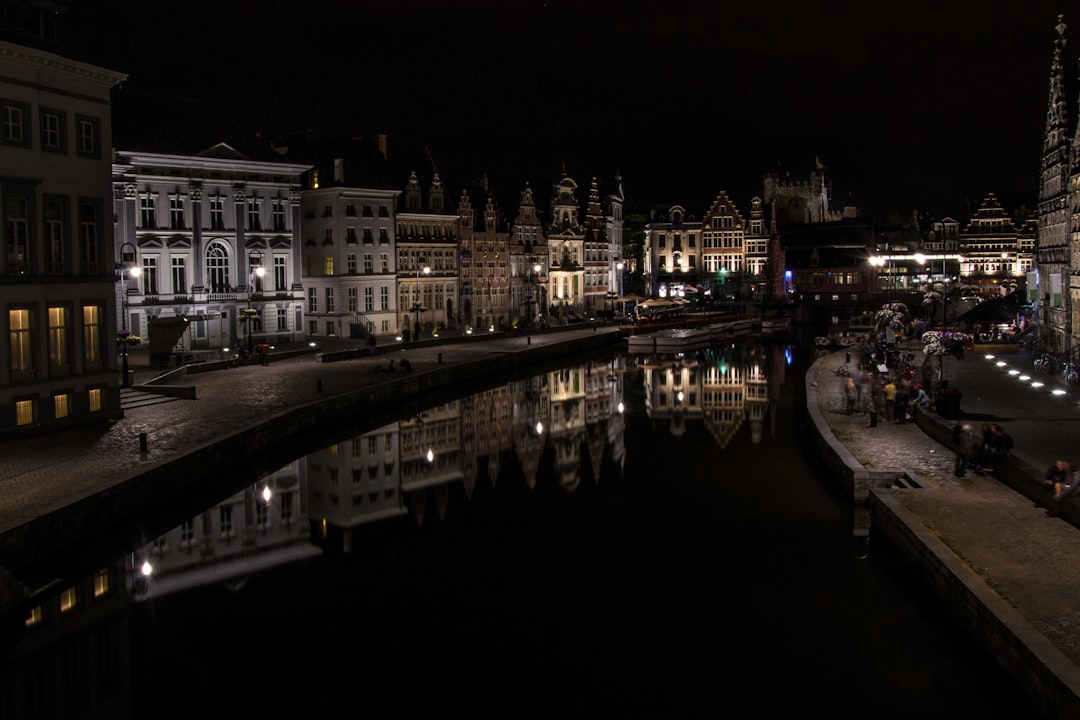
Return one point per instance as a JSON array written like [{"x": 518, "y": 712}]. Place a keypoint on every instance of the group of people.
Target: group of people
[
  {"x": 981, "y": 453},
  {"x": 882, "y": 390}
]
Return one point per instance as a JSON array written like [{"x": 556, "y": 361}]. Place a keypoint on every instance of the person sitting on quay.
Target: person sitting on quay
[
  {"x": 995, "y": 450},
  {"x": 1061, "y": 477}
]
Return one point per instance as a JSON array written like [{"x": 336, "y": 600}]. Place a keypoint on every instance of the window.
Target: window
[
  {"x": 217, "y": 268},
  {"x": 147, "y": 211},
  {"x": 176, "y": 212},
  {"x": 89, "y": 130},
  {"x": 368, "y": 240},
  {"x": 225, "y": 520},
  {"x": 313, "y": 328},
  {"x": 53, "y": 137},
  {"x": 329, "y": 300},
  {"x": 282, "y": 319},
  {"x": 328, "y": 265},
  {"x": 101, "y": 583},
  {"x": 179, "y": 276},
  {"x": 96, "y": 397},
  {"x": 217, "y": 213},
  {"x": 34, "y": 618},
  {"x": 350, "y": 236},
  {"x": 369, "y": 300},
  {"x": 68, "y": 599},
  {"x": 384, "y": 237},
  {"x": 313, "y": 300},
  {"x": 279, "y": 214},
  {"x": 330, "y": 328},
  {"x": 254, "y": 205},
  {"x": 350, "y": 263},
  {"x": 368, "y": 267},
  {"x": 17, "y": 239},
  {"x": 88, "y": 238},
  {"x": 280, "y": 281},
  {"x": 61, "y": 405},
  {"x": 58, "y": 338},
  {"x": 149, "y": 276},
  {"x": 24, "y": 412},
  {"x": 353, "y": 307},
  {"x": 92, "y": 338},
  {"x": 13, "y": 130},
  {"x": 384, "y": 298},
  {"x": 21, "y": 343},
  {"x": 384, "y": 263},
  {"x": 54, "y": 236}
]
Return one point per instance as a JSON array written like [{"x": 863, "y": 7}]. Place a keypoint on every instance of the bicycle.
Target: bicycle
[
  {"x": 1045, "y": 363},
  {"x": 842, "y": 371},
  {"x": 1070, "y": 372}
]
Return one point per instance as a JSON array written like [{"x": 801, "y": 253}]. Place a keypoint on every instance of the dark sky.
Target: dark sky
[{"x": 913, "y": 105}]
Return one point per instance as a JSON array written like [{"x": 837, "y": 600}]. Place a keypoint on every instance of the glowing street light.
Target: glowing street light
[{"x": 128, "y": 268}]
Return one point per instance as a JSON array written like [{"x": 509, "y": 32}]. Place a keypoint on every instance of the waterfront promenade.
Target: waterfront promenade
[{"x": 1019, "y": 564}]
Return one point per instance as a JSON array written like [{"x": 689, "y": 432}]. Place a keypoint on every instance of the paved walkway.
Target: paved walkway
[{"x": 1028, "y": 558}]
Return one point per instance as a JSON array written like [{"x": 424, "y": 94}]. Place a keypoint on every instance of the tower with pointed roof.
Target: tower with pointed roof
[{"x": 1052, "y": 250}]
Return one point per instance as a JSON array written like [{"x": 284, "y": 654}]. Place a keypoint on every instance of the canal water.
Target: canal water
[{"x": 628, "y": 534}]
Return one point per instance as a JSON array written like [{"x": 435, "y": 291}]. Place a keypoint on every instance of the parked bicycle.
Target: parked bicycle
[
  {"x": 1070, "y": 372},
  {"x": 1046, "y": 363}
]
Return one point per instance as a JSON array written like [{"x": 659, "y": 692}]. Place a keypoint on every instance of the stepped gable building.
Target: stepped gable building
[
  {"x": 997, "y": 252},
  {"x": 1059, "y": 191},
  {"x": 427, "y": 253},
  {"x": 566, "y": 253},
  {"x": 58, "y": 272}
]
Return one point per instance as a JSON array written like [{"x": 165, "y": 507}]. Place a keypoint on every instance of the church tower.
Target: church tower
[{"x": 1052, "y": 249}]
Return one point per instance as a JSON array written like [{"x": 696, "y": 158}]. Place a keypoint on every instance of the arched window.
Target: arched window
[{"x": 217, "y": 268}]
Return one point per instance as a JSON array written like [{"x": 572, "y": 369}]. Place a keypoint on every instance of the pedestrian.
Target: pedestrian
[
  {"x": 890, "y": 399},
  {"x": 851, "y": 393},
  {"x": 900, "y": 400},
  {"x": 966, "y": 445},
  {"x": 919, "y": 400}
]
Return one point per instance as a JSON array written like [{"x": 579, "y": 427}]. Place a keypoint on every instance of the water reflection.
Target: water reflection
[{"x": 559, "y": 434}]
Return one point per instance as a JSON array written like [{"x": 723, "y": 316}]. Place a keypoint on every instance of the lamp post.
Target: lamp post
[
  {"x": 417, "y": 307},
  {"x": 128, "y": 268},
  {"x": 255, "y": 272}
]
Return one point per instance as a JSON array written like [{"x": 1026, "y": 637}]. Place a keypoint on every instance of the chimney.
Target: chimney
[
  {"x": 339, "y": 171},
  {"x": 382, "y": 145}
]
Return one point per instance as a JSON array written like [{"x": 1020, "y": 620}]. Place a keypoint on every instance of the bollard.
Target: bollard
[
  {"x": 528, "y": 340},
  {"x": 142, "y": 442},
  {"x": 873, "y": 419},
  {"x": 440, "y": 358},
  {"x": 318, "y": 386},
  {"x": 847, "y": 357}
]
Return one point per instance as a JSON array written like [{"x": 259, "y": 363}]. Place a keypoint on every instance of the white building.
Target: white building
[{"x": 212, "y": 234}]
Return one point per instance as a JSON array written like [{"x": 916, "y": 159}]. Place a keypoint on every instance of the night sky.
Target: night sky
[{"x": 917, "y": 105}]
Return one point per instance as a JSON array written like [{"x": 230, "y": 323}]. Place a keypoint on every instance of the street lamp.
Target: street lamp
[
  {"x": 128, "y": 268},
  {"x": 255, "y": 273},
  {"x": 417, "y": 307}
]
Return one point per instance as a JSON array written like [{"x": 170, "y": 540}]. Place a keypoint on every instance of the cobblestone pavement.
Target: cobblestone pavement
[{"x": 1029, "y": 559}]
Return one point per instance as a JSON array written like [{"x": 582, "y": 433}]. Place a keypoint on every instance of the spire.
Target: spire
[{"x": 1056, "y": 112}]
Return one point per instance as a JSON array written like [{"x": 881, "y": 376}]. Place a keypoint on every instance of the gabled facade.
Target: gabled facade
[
  {"x": 672, "y": 252},
  {"x": 566, "y": 253},
  {"x": 427, "y": 259},
  {"x": 490, "y": 291},
  {"x": 723, "y": 251},
  {"x": 528, "y": 262},
  {"x": 213, "y": 234},
  {"x": 58, "y": 301},
  {"x": 994, "y": 258}
]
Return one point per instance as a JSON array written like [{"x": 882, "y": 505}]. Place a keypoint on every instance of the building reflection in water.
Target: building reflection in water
[{"x": 73, "y": 646}]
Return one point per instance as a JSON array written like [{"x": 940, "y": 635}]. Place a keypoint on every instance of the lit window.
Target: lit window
[
  {"x": 67, "y": 600},
  {"x": 34, "y": 617},
  {"x": 95, "y": 400},
  {"x": 24, "y": 412},
  {"x": 101, "y": 583},
  {"x": 61, "y": 405}
]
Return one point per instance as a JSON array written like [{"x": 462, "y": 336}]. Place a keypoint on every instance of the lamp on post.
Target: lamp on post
[
  {"x": 128, "y": 268},
  {"x": 417, "y": 307},
  {"x": 255, "y": 273}
]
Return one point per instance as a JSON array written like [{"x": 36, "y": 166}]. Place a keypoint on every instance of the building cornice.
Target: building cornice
[{"x": 102, "y": 77}]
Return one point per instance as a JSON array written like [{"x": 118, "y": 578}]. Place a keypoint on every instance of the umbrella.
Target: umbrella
[
  {"x": 630, "y": 298},
  {"x": 998, "y": 310}
]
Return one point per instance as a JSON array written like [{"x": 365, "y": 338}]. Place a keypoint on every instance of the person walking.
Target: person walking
[
  {"x": 890, "y": 399},
  {"x": 966, "y": 444},
  {"x": 1061, "y": 478},
  {"x": 851, "y": 393}
]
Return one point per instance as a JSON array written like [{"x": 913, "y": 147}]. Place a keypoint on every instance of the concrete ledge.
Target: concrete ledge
[{"x": 1050, "y": 678}]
